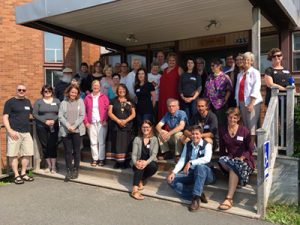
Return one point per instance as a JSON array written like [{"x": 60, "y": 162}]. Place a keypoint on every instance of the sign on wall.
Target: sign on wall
[{"x": 266, "y": 158}]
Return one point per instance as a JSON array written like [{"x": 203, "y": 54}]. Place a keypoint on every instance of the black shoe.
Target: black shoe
[
  {"x": 195, "y": 204},
  {"x": 203, "y": 198},
  {"x": 75, "y": 173},
  {"x": 117, "y": 165},
  {"x": 68, "y": 175},
  {"x": 101, "y": 163}
]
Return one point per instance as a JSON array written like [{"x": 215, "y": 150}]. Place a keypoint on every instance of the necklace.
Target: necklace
[{"x": 232, "y": 130}]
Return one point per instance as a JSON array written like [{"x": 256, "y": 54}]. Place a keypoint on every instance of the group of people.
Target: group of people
[{"x": 195, "y": 113}]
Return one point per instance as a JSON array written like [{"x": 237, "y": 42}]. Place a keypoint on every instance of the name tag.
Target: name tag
[
  {"x": 138, "y": 90},
  {"x": 239, "y": 138},
  {"x": 285, "y": 71},
  {"x": 193, "y": 78},
  {"x": 148, "y": 146},
  {"x": 26, "y": 107},
  {"x": 53, "y": 103},
  {"x": 206, "y": 127}
]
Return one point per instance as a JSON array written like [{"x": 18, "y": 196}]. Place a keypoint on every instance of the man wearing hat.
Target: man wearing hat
[{"x": 64, "y": 82}]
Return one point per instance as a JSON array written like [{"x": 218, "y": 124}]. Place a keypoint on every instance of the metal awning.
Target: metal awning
[{"x": 110, "y": 22}]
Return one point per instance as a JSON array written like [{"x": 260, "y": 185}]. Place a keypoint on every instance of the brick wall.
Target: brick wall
[{"x": 22, "y": 57}]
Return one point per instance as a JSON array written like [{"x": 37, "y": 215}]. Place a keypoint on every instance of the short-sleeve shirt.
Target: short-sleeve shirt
[
  {"x": 143, "y": 94},
  {"x": 209, "y": 123},
  {"x": 189, "y": 83},
  {"x": 18, "y": 111},
  {"x": 122, "y": 110},
  {"x": 280, "y": 77},
  {"x": 173, "y": 120},
  {"x": 216, "y": 88}
]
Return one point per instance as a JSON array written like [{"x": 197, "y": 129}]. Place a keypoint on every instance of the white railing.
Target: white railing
[{"x": 268, "y": 139}]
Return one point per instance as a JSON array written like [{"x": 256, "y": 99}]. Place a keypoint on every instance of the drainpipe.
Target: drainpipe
[{"x": 256, "y": 20}]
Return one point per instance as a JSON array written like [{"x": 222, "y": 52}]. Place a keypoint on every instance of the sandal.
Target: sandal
[
  {"x": 19, "y": 180},
  {"x": 94, "y": 163},
  {"x": 226, "y": 206},
  {"x": 137, "y": 195},
  {"x": 25, "y": 177},
  {"x": 141, "y": 186}
]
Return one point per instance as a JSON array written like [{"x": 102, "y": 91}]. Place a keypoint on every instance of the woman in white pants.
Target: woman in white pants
[{"x": 96, "y": 106}]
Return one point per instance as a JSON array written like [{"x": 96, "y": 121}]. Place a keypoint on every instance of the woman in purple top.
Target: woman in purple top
[
  {"x": 236, "y": 154},
  {"x": 217, "y": 89}
]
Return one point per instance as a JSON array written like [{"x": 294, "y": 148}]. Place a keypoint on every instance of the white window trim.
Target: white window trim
[{"x": 294, "y": 51}]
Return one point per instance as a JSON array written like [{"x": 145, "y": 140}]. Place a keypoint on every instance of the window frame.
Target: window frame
[
  {"x": 294, "y": 51},
  {"x": 62, "y": 49},
  {"x": 59, "y": 68}
]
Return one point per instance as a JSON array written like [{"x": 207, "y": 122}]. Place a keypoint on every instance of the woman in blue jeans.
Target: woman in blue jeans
[
  {"x": 146, "y": 97},
  {"x": 194, "y": 160}
]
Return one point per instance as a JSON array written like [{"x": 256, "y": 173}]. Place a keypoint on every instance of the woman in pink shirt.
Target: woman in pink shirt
[{"x": 96, "y": 107}]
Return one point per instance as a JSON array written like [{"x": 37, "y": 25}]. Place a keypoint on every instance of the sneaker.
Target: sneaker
[
  {"x": 47, "y": 170},
  {"x": 53, "y": 171}
]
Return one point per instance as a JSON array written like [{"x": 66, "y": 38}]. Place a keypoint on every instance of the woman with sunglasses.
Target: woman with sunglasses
[
  {"x": 45, "y": 112},
  {"x": 276, "y": 75},
  {"x": 144, "y": 151}
]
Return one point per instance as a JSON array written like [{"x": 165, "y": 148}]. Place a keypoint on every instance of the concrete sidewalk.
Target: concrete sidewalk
[{"x": 49, "y": 201}]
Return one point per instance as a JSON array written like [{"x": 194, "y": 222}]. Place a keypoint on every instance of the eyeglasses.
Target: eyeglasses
[
  {"x": 274, "y": 56},
  {"x": 21, "y": 90},
  {"x": 46, "y": 91}
]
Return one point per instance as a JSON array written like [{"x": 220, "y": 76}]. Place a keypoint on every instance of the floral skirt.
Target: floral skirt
[{"x": 241, "y": 168}]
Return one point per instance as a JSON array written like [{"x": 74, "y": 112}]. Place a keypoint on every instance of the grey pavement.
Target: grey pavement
[{"x": 48, "y": 201}]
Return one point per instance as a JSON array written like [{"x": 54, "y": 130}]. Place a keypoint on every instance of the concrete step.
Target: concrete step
[{"x": 157, "y": 187}]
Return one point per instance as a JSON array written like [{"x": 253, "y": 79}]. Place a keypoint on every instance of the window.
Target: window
[
  {"x": 52, "y": 76},
  {"x": 53, "y": 48},
  {"x": 267, "y": 43},
  {"x": 296, "y": 51}
]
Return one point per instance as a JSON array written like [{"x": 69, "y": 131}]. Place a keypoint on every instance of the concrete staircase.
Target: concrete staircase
[{"x": 157, "y": 187}]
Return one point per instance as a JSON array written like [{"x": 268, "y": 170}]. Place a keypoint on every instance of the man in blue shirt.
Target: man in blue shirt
[
  {"x": 170, "y": 128},
  {"x": 194, "y": 160}
]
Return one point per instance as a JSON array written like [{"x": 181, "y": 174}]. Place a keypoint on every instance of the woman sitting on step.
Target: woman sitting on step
[
  {"x": 144, "y": 151},
  {"x": 236, "y": 158}
]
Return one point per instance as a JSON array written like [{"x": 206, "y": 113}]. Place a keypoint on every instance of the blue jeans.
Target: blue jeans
[
  {"x": 192, "y": 184},
  {"x": 189, "y": 108},
  {"x": 141, "y": 117}
]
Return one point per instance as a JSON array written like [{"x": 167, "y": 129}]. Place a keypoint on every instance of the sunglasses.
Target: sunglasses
[
  {"x": 274, "y": 56},
  {"x": 21, "y": 90},
  {"x": 46, "y": 91}
]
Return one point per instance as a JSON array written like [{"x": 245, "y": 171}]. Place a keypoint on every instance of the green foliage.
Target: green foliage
[
  {"x": 283, "y": 214},
  {"x": 297, "y": 132}
]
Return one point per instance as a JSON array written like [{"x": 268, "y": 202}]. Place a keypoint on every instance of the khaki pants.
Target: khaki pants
[{"x": 173, "y": 140}]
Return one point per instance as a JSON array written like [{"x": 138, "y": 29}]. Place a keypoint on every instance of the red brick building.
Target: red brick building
[{"x": 23, "y": 59}]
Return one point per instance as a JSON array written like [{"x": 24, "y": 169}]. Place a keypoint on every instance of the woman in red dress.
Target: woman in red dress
[{"x": 168, "y": 87}]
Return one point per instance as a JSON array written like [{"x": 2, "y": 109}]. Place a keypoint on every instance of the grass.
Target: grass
[
  {"x": 10, "y": 179},
  {"x": 283, "y": 214}
]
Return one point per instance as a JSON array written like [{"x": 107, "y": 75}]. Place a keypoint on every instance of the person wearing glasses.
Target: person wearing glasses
[
  {"x": 45, "y": 112},
  {"x": 144, "y": 151},
  {"x": 276, "y": 75},
  {"x": 16, "y": 121},
  {"x": 218, "y": 88}
]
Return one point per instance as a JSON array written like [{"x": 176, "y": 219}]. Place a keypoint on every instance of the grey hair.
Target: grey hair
[
  {"x": 201, "y": 60},
  {"x": 170, "y": 100},
  {"x": 249, "y": 55}
]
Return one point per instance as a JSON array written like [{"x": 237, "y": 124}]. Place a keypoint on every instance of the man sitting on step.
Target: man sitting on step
[
  {"x": 194, "y": 160},
  {"x": 208, "y": 120},
  {"x": 170, "y": 129}
]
